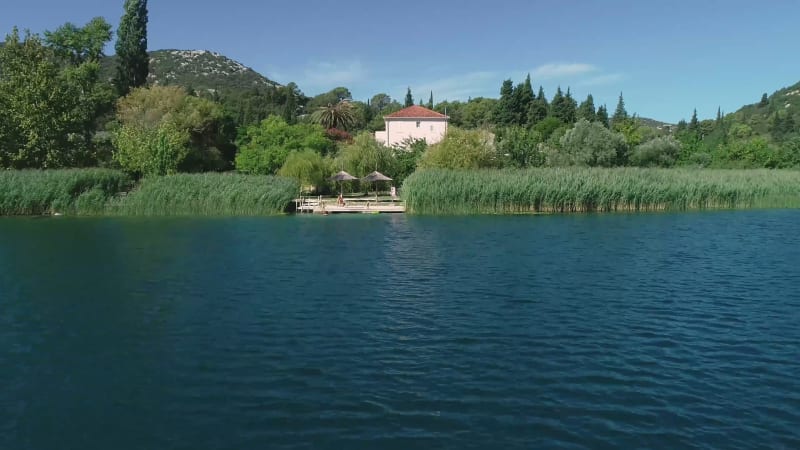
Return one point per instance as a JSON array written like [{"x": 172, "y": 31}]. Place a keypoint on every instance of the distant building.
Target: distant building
[{"x": 414, "y": 122}]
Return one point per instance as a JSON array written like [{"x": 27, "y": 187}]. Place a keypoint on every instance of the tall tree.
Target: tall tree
[
  {"x": 504, "y": 110},
  {"x": 620, "y": 114},
  {"x": 341, "y": 116},
  {"x": 523, "y": 99},
  {"x": 133, "y": 62},
  {"x": 409, "y": 99},
  {"x": 602, "y": 115},
  {"x": 37, "y": 104},
  {"x": 570, "y": 107},
  {"x": 586, "y": 110},
  {"x": 694, "y": 124},
  {"x": 562, "y": 107},
  {"x": 539, "y": 108},
  {"x": 719, "y": 115},
  {"x": 79, "y": 50},
  {"x": 764, "y": 100},
  {"x": 430, "y": 101}
]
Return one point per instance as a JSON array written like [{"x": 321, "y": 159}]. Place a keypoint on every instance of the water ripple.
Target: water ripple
[{"x": 608, "y": 331}]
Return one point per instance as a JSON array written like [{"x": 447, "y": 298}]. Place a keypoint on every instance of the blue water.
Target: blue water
[{"x": 568, "y": 331}]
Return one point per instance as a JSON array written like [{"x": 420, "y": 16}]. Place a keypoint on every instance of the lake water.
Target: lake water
[{"x": 568, "y": 331}]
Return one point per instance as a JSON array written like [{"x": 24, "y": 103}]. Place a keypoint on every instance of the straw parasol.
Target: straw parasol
[
  {"x": 342, "y": 176},
  {"x": 374, "y": 177}
]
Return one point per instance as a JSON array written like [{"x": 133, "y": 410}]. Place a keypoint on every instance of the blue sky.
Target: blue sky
[{"x": 666, "y": 57}]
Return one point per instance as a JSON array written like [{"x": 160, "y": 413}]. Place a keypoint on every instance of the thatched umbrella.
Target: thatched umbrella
[
  {"x": 342, "y": 176},
  {"x": 374, "y": 177}
]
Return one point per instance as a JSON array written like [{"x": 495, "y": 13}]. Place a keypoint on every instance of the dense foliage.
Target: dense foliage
[
  {"x": 263, "y": 148},
  {"x": 596, "y": 189},
  {"x": 132, "y": 58}
]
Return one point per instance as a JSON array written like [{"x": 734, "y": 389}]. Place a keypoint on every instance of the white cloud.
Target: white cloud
[
  {"x": 608, "y": 78},
  {"x": 459, "y": 87},
  {"x": 557, "y": 70}
]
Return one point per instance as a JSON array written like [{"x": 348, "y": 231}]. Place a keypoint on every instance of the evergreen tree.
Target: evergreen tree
[
  {"x": 694, "y": 124},
  {"x": 409, "y": 98},
  {"x": 586, "y": 109},
  {"x": 132, "y": 59},
  {"x": 504, "y": 110},
  {"x": 719, "y": 115},
  {"x": 560, "y": 107},
  {"x": 430, "y": 101},
  {"x": 764, "y": 100},
  {"x": 539, "y": 108},
  {"x": 570, "y": 108},
  {"x": 523, "y": 99},
  {"x": 602, "y": 115},
  {"x": 620, "y": 114}
]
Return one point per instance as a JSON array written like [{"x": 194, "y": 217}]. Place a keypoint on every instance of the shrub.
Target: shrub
[
  {"x": 588, "y": 144},
  {"x": 462, "y": 149},
  {"x": 659, "y": 152}
]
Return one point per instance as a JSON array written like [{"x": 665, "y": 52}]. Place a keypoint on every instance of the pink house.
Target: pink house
[{"x": 414, "y": 122}]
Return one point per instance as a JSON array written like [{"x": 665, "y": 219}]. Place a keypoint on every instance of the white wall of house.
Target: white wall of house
[{"x": 432, "y": 130}]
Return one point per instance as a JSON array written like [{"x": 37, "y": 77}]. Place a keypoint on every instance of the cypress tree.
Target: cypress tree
[
  {"x": 620, "y": 114},
  {"x": 719, "y": 115},
  {"x": 602, "y": 115},
  {"x": 570, "y": 107},
  {"x": 133, "y": 62},
  {"x": 586, "y": 110},
  {"x": 504, "y": 110},
  {"x": 523, "y": 100},
  {"x": 409, "y": 98},
  {"x": 430, "y": 101},
  {"x": 538, "y": 109},
  {"x": 694, "y": 124},
  {"x": 558, "y": 106},
  {"x": 764, "y": 100}
]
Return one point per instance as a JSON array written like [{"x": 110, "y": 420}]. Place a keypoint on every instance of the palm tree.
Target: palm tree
[{"x": 340, "y": 116}]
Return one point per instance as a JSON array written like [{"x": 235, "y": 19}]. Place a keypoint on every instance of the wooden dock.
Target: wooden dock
[{"x": 319, "y": 205}]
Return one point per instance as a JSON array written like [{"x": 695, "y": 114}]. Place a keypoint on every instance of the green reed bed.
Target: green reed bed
[
  {"x": 511, "y": 191},
  {"x": 208, "y": 194},
  {"x": 73, "y": 191}
]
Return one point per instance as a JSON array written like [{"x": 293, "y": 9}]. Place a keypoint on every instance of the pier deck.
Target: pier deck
[{"x": 318, "y": 205}]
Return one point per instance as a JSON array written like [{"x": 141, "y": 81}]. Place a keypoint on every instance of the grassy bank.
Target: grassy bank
[
  {"x": 73, "y": 192},
  {"x": 583, "y": 190},
  {"x": 208, "y": 194},
  {"x": 103, "y": 192}
]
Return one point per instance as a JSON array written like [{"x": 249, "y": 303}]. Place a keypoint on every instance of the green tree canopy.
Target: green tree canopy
[
  {"x": 341, "y": 115},
  {"x": 133, "y": 62},
  {"x": 45, "y": 109},
  {"x": 504, "y": 114},
  {"x": 308, "y": 166},
  {"x": 588, "y": 144},
  {"x": 78, "y": 45},
  {"x": 365, "y": 155},
  {"x": 586, "y": 109},
  {"x": 662, "y": 151},
  {"x": 263, "y": 148},
  {"x": 209, "y": 131},
  {"x": 620, "y": 113},
  {"x": 462, "y": 149},
  {"x": 602, "y": 116}
]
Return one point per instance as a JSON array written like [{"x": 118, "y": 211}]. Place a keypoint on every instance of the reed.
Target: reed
[
  {"x": 73, "y": 191},
  {"x": 208, "y": 194},
  {"x": 510, "y": 191}
]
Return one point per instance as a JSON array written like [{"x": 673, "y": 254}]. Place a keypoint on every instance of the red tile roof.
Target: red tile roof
[{"x": 415, "y": 112}]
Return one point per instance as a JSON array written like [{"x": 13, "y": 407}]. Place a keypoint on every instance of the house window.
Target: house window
[{"x": 417, "y": 124}]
